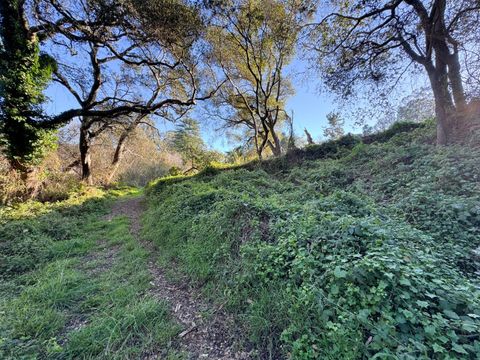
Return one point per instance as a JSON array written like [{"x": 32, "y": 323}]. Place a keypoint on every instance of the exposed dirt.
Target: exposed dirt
[
  {"x": 206, "y": 332},
  {"x": 101, "y": 260}
]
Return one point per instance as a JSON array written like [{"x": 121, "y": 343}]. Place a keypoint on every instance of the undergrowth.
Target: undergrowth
[
  {"x": 74, "y": 285},
  {"x": 366, "y": 251}
]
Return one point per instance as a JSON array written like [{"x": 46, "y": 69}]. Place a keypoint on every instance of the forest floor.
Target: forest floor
[{"x": 78, "y": 281}]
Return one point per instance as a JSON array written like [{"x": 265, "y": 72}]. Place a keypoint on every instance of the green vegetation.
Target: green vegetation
[
  {"x": 75, "y": 285},
  {"x": 363, "y": 246},
  {"x": 346, "y": 250},
  {"x": 24, "y": 74}
]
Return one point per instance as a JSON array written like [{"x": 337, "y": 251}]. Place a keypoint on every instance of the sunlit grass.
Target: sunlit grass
[{"x": 75, "y": 285}]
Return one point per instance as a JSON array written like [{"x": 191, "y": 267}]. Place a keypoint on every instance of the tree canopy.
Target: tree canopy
[
  {"x": 374, "y": 42},
  {"x": 252, "y": 43}
]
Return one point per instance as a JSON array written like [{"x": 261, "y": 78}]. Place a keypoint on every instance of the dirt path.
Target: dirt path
[{"x": 205, "y": 334}]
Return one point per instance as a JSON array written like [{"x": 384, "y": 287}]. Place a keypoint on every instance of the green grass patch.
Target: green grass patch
[{"x": 75, "y": 285}]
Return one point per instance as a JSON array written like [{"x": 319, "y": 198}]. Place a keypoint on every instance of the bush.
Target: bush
[{"x": 397, "y": 128}]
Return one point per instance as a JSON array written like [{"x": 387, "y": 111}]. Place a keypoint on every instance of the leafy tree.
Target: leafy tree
[
  {"x": 374, "y": 42},
  {"x": 335, "y": 126},
  {"x": 116, "y": 59},
  {"x": 187, "y": 140},
  {"x": 24, "y": 74},
  {"x": 137, "y": 61},
  {"x": 252, "y": 43},
  {"x": 416, "y": 107}
]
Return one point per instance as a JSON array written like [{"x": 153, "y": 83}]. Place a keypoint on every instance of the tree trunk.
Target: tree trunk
[
  {"x": 261, "y": 146},
  {"x": 444, "y": 108},
  {"x": 277, "y": 145},
  {"x": 309, "y": 137},
  {"x": 446, "y": 73},
  {"x": 439, "y": 77},
  {"x": 454, "y": 74},
  {"x": 117, "y": 156},
  {"x": 85, "y": 155}
]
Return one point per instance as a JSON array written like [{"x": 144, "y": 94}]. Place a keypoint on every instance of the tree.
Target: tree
[
  {"x": 252, "y": 43},
  {"x": 127, "y": 130},
  {"x": 335, "y": 126},
  {"x": 24, "y": 74},
  {"x": 374, "y": 42},
  {"x": 186, "y": 139},
  {"x": 117, "y": 59},
  {"x": 417, "y": 107},
  {"x": 309, "y": 137}
]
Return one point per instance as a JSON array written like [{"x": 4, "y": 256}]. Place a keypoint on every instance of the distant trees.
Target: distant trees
[
  {"x": 418, "y": 106},
  {"x": 335, "y": 126},
  {"x": 252, "y": 43},
  {"x": 187, "y": 140},
  {"x": 373, "y": 42}
]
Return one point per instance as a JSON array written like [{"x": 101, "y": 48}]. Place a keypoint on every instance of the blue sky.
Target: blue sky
[{"x": 309, "y": 105}]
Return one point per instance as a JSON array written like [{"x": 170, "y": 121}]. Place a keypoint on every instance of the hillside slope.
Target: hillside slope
[{"x": 343, "y": 251}]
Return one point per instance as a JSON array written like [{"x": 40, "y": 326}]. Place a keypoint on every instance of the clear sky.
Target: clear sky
[{"x": 309, "y": 105}]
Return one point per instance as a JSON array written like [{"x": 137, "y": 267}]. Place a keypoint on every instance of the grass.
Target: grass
[
  {"x": 74, "y": 285},
  {"x": 347, "y": 250}
]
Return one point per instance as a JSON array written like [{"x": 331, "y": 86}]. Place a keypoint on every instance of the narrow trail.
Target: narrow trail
[{"x": 206, "y": 332}]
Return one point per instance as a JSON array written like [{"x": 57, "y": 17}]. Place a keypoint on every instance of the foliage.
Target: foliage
[
  {"x": 396, "y": 128},
  {"x": 368, "y": 253},
  {"x": 24, "y": 74},
  {"x": 416, "y": 107},
  {"x": 373, "y": 44},
  {"x": 252, "y": 42},
  {"x": 335, "y": 126},
  {"x": 187, "y": 140}
]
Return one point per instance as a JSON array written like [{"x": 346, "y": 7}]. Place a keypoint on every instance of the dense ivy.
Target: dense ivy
[
  {"x": 371, "y": 253},
  {"x": 24, "y": 74}
]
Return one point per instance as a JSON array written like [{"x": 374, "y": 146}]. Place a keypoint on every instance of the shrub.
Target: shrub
[{"x": 396, "y": 128}]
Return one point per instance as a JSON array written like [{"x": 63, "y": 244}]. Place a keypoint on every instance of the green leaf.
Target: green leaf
[
  {"x": 339, "y": 273},
  {"x": 469, "y": 326},
  {"x": 334, "y": 290},
  {"x": 451, "y": 314},
  {"x": 422, "y": 304},
  {"x": 437, "y": 348},
  {"x": 405, "y": 281},
  {"x": 430, "y": 330},
  {"x": 459, "y": 349}
]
